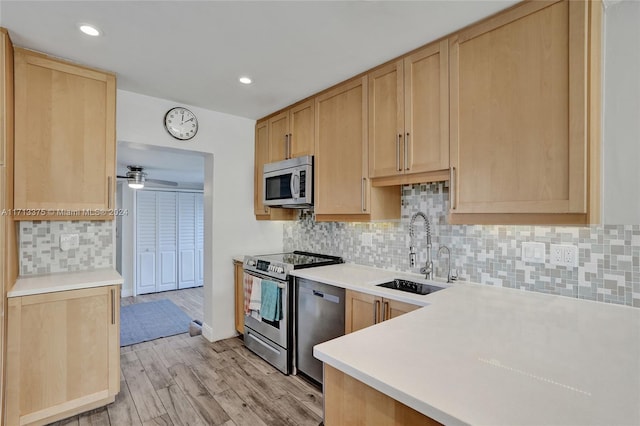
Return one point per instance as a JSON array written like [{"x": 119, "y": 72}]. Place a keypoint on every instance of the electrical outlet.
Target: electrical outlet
[
  {"x": 69, "y": 241},
  {"x": 570, "y": 256},
  {"x": 564, "y": 255},
  {"x": 366, "y": 239},
  {"x": 533, "y": 252},
  {"x": 556, "y": 254}
]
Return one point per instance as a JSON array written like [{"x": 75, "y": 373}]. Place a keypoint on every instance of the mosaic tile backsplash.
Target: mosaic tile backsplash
[
  {"x": 40, "y": 251},
  {"x": 608, "y": 264}
]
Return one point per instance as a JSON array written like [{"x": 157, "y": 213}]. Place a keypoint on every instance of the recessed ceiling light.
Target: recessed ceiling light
[
  {"x": 89, "y": 30},
  {"x": 245, "y": 80}
]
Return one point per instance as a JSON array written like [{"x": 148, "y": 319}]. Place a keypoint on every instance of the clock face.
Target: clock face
[{"x": 181, "y": 123}]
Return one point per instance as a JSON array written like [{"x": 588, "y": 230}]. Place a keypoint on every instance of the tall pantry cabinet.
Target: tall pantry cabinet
[{"x": 169, "y": 241}]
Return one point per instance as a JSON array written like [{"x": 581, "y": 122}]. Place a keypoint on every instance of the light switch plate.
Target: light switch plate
[{"x": 533, "y": 252}]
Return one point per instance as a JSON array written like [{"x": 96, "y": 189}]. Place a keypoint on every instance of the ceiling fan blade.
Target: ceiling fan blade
[{"x": 162, "y": 182}]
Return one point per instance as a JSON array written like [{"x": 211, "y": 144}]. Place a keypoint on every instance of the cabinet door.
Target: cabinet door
[
  {"x": 361, "y": 311},
  {"x": 63, "y": 349},
  {"x": 426, "y": 120},
  {"x": 65, "y": 136},
  {"x": 167, "y": 232},
  {"x": 341, "y": 185},
  {"x": 386, "y": 121},
  {"x": 146, "y": 242},
  {"x": 279, "y": 137},
  {"x": 518, "y": 111},
  {"x": 261, "y": 157},
  {"x": 186, "y": 240},
  {"x": 394, "y": 308},
  {"x": 302, "y": 132},
  {"x": 239, "y": 296}
]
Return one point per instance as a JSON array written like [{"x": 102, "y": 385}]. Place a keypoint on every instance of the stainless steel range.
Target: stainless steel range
[{"x": 273, "y": 340}]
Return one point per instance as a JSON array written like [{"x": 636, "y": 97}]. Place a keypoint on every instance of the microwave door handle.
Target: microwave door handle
[{"x": 295, "y": 185}]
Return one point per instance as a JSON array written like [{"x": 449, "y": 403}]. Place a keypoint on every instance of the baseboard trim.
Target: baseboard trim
[
  {"x": 207, "y": 332},
  {"x": 126, "y": 293}
]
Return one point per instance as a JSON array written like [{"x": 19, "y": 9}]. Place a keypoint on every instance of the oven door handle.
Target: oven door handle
[{"x": 281, "y": 284}]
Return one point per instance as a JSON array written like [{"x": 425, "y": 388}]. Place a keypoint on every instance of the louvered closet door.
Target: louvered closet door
[
  {"x": 146, "y": 242},
  {"x": 186, "y": 240},
  {"x": 167, "y": 241},
  {"x": 199, "y": 240}
]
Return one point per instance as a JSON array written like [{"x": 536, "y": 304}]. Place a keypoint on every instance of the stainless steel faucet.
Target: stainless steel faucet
[
  {"x": 428, "y": 268},
  {"x": 450, "y": 277}
]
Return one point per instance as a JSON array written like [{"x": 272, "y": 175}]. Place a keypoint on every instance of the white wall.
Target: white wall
[
  {"x": 230, "y": 226},
  {"x": 621, "y": 121}
]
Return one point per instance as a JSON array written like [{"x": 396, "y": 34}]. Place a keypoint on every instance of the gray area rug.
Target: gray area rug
[{"x": 146, "y": 321}]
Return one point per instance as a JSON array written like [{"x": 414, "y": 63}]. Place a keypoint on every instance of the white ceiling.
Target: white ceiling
[
  {"x": 184, "y": 167},
  {"x": 193, "y": 52}
]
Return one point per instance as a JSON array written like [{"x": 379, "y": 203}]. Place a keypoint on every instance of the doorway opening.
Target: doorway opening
[{"x": 160, "y": 240}]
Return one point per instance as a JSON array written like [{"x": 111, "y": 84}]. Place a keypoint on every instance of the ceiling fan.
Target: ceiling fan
[{"x": 136, "y": 177}]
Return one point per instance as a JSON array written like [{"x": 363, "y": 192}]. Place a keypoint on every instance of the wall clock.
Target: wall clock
[{"x": 181, "y": 123}]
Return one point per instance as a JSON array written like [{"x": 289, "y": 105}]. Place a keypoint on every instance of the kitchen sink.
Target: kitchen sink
[{"x": 410, "y": 286}]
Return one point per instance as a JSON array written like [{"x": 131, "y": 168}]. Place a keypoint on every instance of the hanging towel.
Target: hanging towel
[
  {"x": 255, "y": 301},
  {"x": 271, "y": 309},
  {"x": 247, "y": 284}
]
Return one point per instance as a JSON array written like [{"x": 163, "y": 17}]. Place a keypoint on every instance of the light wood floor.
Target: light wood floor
[{"x": 182, "y": 380}]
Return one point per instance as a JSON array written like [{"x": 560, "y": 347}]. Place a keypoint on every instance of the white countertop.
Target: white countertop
[
  {"x": 238, "y": 258},
  {"x": 365, "y": 278},
  {"x": 483, "y": 355},
  {"x": 49, "y": 283}
]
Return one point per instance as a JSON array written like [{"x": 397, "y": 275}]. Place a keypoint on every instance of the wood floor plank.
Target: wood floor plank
[
  {"x": 255, "y": 399},
  {"x": 208, "y": 376},
  {"x": 155, "y": 368},
  {"x": 167, "y": 352},
  {"x": 123, "y": 410},
  {"x": 255, "y": 360},
  {"x": 295, "y": 412},
  {"x": 237, "y": 409},
  {"x": 98, "y": 417},
  {"x": 143, "y": 394},
  {"x": 198, "y": 395},
  {"x": 179, "y": 408},
  {"x": 163, "y": 420}
]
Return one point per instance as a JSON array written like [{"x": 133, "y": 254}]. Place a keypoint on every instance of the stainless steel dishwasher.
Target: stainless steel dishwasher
[{"x": 319, "y": 317}]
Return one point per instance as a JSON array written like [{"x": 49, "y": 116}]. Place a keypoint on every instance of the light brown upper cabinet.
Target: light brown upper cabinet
[
  {"x": 409, "y": 118},
  {"x": 522, "y": 107},
  {"x": 342, "y": 187},
  {"x": 291, "y": 132},
  {"x": 64, "y": 139},
  {"x": 261, "y": 153}
]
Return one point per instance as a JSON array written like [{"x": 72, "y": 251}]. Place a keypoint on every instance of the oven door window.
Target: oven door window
[{"x": 278, "y": 187}]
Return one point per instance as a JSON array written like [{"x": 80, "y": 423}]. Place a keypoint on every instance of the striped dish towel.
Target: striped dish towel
[{"x": 247, "y": 283}]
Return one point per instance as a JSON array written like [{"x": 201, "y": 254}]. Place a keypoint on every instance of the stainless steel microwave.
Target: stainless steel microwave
[{"x": 289, "y": 183}]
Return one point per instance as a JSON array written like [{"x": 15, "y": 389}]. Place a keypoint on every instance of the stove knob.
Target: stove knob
[
  {"x": 280, "y": 269},
  {"x": 251, "y": 262},
  {"x": 270, "y": 268}
]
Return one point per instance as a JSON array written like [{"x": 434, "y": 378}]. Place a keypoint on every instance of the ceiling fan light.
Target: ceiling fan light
[
  {"x": 134, "y": 185},
  {"x": 136, "y": 179}
]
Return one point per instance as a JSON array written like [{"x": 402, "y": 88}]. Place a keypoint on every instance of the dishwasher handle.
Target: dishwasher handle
[{"x": 320, "y": 294}]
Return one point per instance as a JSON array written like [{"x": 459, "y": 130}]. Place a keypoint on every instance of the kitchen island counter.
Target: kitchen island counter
[{"x": 484, "y": 355}]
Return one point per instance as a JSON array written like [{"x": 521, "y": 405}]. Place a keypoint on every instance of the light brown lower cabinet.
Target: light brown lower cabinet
[
  {"x": 239, "y": 296},
  {"x": 363, "y": 310},
  {"x": 348, "y": 401},
  {"x": 63, "y": 354}
]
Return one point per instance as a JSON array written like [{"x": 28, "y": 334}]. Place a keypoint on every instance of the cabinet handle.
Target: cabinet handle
[
  {"x": 108, "y": 192},
  {"x": 385, "y": 311},
  {"x": 406, "y": 152},
  {"x": 398, "y": 168},
  {"x": 452, "y": 185},
  {"x": 113, "y": 306},
  {"x": 286, "y": 146},
  {"x": 364, "y": 200},
  {"x": 376, "y": 308},
  {"x": 289, "y": 144}
]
